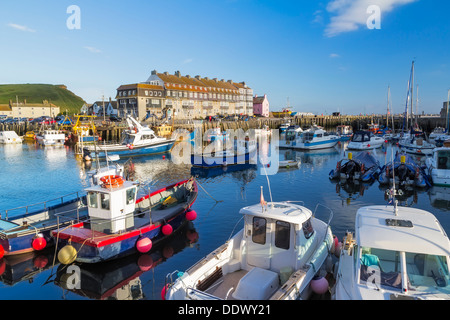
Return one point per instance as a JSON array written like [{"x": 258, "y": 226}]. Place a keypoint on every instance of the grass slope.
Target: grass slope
[{"x": 36, "y": 93}]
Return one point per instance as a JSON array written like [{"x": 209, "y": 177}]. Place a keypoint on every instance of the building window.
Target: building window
[{"x": 146, "y": 92}]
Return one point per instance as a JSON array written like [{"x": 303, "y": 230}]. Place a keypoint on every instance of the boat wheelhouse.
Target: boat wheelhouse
[
  {"x": 365, "y": 140},
  {"x": 277, "y": 254},
  {"x": 396, "y": 253}
]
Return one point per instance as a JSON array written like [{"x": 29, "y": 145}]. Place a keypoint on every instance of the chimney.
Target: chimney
[
  {"x": 166, "y": 73},
  {"x": 215, "y": 79},
  {"x": 188, "y": 76},
  {"x": 230, "y": 81},
  {"x": 154, "y": 72},
  {"x": 178, "y": 74},
  {"x": 197, "y": 77}
]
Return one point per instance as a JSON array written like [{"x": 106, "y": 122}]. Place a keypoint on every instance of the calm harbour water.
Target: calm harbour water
[{"x": 32, "y": 174}]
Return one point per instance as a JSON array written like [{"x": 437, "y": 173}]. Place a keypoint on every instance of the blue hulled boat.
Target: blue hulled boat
[
  {"x": 119, "y": 225},
  {"x": 137, "y": 140}
]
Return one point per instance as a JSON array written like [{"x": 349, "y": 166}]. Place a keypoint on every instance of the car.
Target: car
[{"x": 115, "y": 119}]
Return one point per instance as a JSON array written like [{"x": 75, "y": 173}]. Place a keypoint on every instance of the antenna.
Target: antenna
[{"x": 393, "y": 191}]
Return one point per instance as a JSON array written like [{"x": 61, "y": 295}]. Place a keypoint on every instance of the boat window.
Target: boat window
[
  {"x": 381, "y": 268},
  {"x": 426, "y": 272},
  {"x": 259, "y": 230},
  {"x": 130, "y": 195},
  {"x": 104, "y": 200},
  {"x": 443, "y": 160},
  {"x": 92, "y": 200},
  {"x": 319, "y": 135},
  {"x": 308, "y": 230},
  {"x": 282, "y": 234},
  {"x": 357, "y": 138}
]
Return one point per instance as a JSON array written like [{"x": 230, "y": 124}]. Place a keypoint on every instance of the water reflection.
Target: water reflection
[
  {"x": 440, "y": 197},
  {"x": 24, "y": 267},
  {"x": 121, "y": 279},
  {"x": 350, "y": 190}
]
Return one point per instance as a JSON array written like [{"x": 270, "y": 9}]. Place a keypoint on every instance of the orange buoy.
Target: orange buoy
[{"x": 111, "y": 181}]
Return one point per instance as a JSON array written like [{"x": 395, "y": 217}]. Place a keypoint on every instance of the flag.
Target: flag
[{"x": 262, "y": 201}]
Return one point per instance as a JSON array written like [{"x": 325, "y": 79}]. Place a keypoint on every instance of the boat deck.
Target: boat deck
[{"x": 225, "y": 286}]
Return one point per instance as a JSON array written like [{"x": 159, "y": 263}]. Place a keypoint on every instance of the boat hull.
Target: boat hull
[
  {"x": 225, "y": 159},
  {"x": 123, "y": 150},
  {"x": 313, "y": 145}
]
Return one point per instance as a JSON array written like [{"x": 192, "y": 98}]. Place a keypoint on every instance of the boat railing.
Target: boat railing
[
  {"x": 329, "y": 218},
  {"x": 39, "y": 207}
]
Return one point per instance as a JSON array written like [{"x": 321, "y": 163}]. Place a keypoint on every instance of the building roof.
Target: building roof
[
  {"x": 198, "y": 84},
  {"x": 5, "y": 107},
  {"x": 258, "y": 100}
]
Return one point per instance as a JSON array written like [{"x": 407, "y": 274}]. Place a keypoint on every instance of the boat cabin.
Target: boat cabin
[
  {"x": 277, "y": 237},
  {"x": 361, "y": 136},
  {"x": 311, "y": 135},
  {"x": 9, "y": 137},
  {"x": 442, "y": 158},
  {"x": 111, "y": 205},
  {"x": 293, "y": 132},
  {"x": 403, "y": 251}
]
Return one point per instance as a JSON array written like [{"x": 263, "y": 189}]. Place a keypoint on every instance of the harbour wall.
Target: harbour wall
[{"x": 112, "y": 131}]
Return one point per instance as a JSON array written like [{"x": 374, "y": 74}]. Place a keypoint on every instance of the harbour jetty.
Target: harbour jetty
[{"x": 111, "y": 131}]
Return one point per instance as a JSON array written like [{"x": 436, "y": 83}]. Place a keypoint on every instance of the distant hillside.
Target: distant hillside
[{"x": 36, "y": 93}]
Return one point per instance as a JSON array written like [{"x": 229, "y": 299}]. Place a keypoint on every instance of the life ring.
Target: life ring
[{"x": 111, "y": 181}]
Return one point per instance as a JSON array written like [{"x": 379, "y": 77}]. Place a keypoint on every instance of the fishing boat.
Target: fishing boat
[
  {"x": 292, "y": 133},
  {"x": 276, "y": 256},
  {"x": 284, "y": 126},
  {"x": 50, "y": 137},
  {"x": 28, "y": 228},
  {"x": 344, "y": 132},
  {"x": 363, "y": 166},
  {"x": 315, "y": 138},
  {"x": 9, "y": 137},
  {"x": 365, "y": 140},
  {"x": 29, "y": 136},
  {"x": 417, "y": 146},
  {"x": 119, "y": 225},
  {"x": 438, "y": 166},
  {"x": 406, "y": 172},
  {"x": 289, "y": 164},
  {"x": 396, "y": 253},
  {"x": 137, "y": 140},
  {"x": 218, "y": 154},
  {"x": 438, "y": 133}
]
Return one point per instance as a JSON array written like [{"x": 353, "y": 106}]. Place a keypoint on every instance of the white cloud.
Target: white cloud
[
  {"x": 93, "y": 50},
  {"x": 189, "y": 60},
  {"x": 20, "y": 27},
  {"x": 334, "y": 55},
  {"x": 349, "y": 15}
]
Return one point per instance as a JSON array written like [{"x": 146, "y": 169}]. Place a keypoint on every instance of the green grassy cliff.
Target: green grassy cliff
[{"x": 36, "y": 93}]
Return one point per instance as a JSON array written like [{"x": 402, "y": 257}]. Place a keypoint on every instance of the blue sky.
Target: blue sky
[{"x": 318, "y": 54}]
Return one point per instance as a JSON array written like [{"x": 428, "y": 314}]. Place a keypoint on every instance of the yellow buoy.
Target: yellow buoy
[
  {"x": 67, "y": 255},
  {"x": 402, "y": 159},
  {"x": 350, "y": 156}
]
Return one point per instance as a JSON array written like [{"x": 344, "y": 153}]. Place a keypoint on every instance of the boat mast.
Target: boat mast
[
  {"x": 412, "y": 94},
  {"x": 388, "y": 112}
]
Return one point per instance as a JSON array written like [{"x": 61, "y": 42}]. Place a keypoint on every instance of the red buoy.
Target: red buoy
[
  {"x": 40, "y": 262},
  {"x": 164, "y": 157},
  {"x": 163, "y": 292},
  {"x": 144, "y": 245},
  {"x": 167, "y": 229},
  {"x": 191, "y": 215},
  {"x": 2, "y": 251},
  {"x": 145, "y": 262},
  {"x": 39, "y": 243}
]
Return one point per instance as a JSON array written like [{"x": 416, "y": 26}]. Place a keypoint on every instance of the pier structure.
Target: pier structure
[{"x": 111, "y": 131}]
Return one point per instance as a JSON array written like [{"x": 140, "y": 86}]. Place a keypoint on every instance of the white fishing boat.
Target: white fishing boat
[
  {"x": 9, "y": 137},
  {"x": 291, "y": 135},
  {"x": 275, "y": 256},
  {"x": 396, "y": 253},
  {"x": 365, "y": 140},
  {"x": 344, "y": 132},
  {"x": 438, "y": 133},
  {"x": 438, "y": 166},
  {"x": 289, "y": 163},
  {"x": 417, "y": 146},
  {"x": 314, "y": 138},
  {"x": 51, "y": 138},
  {"x": 137, "y": 140}
]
